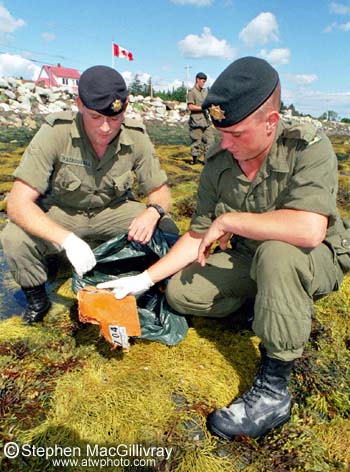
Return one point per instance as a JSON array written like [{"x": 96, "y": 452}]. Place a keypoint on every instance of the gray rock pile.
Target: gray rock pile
[
  {"x": 22, "y": 102},
  {"x": 25, "y": 104}
]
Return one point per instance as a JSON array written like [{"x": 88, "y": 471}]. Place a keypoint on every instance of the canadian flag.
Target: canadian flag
[{"x": 118, "y": 51}]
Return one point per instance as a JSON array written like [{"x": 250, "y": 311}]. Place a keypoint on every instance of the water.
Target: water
[{"x": 12, "y": 300}]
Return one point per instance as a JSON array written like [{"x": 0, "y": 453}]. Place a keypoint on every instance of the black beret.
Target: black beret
[
  {"x": 201, "y": 75},
  {"x": 240, "y": 90},
  {"x": 103, "y": 89}
]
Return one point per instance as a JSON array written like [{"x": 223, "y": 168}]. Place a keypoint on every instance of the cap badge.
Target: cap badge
[
  {"x": 117, "y": 105},
  {"x": 217, "y": 113}
]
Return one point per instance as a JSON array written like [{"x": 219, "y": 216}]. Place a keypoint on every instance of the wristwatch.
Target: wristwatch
[{"x": 159, "y": 209}]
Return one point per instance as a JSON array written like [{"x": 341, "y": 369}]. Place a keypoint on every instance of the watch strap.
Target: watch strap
[{"x": 157, "y": 207}]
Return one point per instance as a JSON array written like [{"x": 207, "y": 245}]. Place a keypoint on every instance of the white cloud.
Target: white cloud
[
  {"x": 130, "y": 76},
  {"x": 345, "y": 26},
  {"x": 8, "y": 24},
  {"x": 302, "y": 79},
  {"x": 261, "y": 30},
  {"x": 48, "y": 37},
  {"x": 157, "y": 82},
  {"x": 144, "y": 77},
  {"x": 330, "y": 28},
  {"x": 160, "y": 85},
  {"x": 163, "y": 84},
  {"x": 315, "y": 103},
  {"x": 205, "y": 45},
  {"x": 197, "y": 3},
  {"x": 16, "y": 66},
  {"x": 276, "y": 56},
  {"x": 339, "y": 8},
  {"x": 337, "y": 26}
]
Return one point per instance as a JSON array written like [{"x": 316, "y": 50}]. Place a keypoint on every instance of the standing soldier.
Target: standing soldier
[{"x": 201, "y": 131}]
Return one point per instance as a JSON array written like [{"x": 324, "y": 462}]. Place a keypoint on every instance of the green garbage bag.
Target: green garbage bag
[{"x": 119, "y": 257}]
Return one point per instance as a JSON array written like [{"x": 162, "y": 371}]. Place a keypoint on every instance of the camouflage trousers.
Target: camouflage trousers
[
  {"x": 26, "y": 254},
  {"x": 284, "y": 280},
  {"x": 201, "y": 139}
]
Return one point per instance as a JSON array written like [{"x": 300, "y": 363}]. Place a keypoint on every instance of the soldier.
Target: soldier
[
  {"x": 201, "y": 130},
  {"x": 270, "y": 189},
  {"x": 74, "y": 184}
]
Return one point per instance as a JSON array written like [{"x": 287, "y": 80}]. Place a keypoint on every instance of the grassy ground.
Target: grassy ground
[{"x": 60, "y": 384}]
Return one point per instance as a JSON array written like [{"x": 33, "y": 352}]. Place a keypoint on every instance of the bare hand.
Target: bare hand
[
  {"x": 214, "y": 233},
  {"x": 142, "y": 227}
]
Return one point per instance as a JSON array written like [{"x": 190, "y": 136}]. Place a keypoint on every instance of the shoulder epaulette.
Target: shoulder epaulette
[
  {"x": 62, "y": 116},
  {"x": 134, "y": 124},
  {"x": 306, "y": 132},
  {"x": 213, "y": 150}
]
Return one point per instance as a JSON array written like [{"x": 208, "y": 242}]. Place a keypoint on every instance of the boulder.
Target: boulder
[{"x": 20, "y": 98}]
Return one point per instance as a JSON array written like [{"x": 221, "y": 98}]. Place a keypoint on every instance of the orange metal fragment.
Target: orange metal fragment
[{"x": 118, "y": 319}]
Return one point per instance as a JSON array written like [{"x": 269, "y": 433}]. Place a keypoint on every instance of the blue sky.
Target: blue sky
[{"x": 307, "y": 41}]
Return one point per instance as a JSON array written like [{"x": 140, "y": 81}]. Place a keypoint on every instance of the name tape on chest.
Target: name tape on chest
[{"x": 76, "y": 161}]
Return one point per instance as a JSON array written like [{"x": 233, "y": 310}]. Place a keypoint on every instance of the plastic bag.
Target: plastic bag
[{"x": 119, "y": 257}]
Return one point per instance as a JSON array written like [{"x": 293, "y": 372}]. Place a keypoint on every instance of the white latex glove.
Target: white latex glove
[
  {"x": 133, "y": 285},
  {"x": 79, "y": 254}
]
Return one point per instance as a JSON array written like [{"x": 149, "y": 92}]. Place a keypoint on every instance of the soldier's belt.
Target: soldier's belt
[{"x": 90, "y": 212}]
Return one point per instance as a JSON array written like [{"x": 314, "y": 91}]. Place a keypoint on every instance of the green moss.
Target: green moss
[
  {"x": 336, "y": 439},
  {"x": 61, "y": 384},
  {"x": 163, "y": 133},
  {"x": 3, "y": 204}
]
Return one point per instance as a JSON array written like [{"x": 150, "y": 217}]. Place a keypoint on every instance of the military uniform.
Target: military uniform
[
  {"x": 90, "y": 196},
  {"x": 201, "y": 130},
  {"x": 299, "y": 173},
  {"x": 295, "y": 169}
]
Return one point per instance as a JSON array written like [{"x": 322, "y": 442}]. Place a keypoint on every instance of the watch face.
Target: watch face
[{"x": 160, "y": 210}]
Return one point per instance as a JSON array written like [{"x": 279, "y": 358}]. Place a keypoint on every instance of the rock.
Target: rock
[
  {"x": 10, "y": 94},
  {"x": 58, "y": 105},
  {"x": 13, "y": 83},
  {"x": 28, "y": 86},
  {"x": 4, "y": 83},
  {"x": 17, "y": 122},
  {"x": 28, "y": 122},
  {"x": 42, "y": 91},
  {"x": 5, "y": 107},
  {"x": 182, "y": 107},
  {"x": 25, "y": 103}
]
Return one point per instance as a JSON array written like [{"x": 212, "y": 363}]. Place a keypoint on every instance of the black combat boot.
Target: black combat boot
[
  {"x": 38, "y": 304},
  {"x": 265, "y": 406}
]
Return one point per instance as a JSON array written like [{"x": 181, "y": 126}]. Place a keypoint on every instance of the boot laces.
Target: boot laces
[{"x": 260, "y": 387}]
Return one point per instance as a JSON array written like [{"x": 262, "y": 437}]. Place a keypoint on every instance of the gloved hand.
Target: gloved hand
[
  {"x": 133, "y": 285},
  {"x": 79, "y": 254}
]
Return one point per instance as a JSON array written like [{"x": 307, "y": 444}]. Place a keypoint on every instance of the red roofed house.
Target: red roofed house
[{"x": 58, "y": 76}]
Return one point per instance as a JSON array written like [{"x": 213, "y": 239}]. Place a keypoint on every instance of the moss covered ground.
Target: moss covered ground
[{"x": 61, "y": 384}]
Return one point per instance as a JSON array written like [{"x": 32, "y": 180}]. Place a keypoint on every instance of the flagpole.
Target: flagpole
[{"x": 112, "y": 56}]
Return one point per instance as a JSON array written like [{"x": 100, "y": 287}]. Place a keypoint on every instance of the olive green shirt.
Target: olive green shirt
[
  {"x": 299, "y": 173},
  {"x": 62, "y": 165},
  {"x": 198, "y": 119}
]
